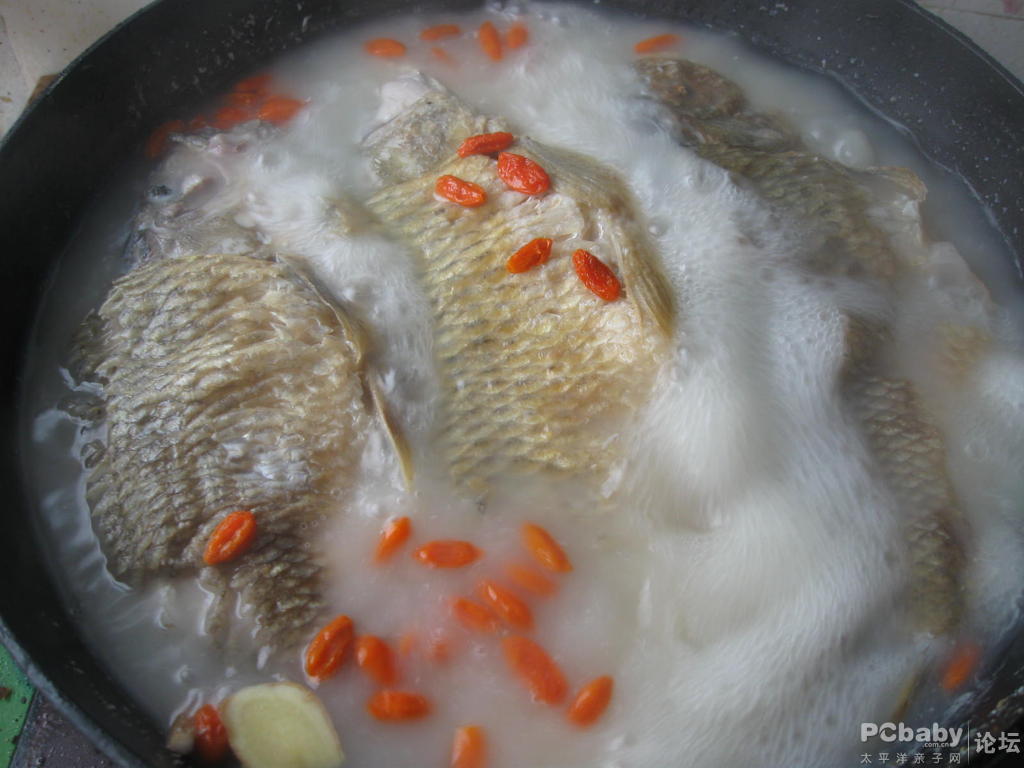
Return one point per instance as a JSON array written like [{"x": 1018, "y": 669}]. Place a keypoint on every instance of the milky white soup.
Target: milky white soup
[{"x": 741, "y": 574}]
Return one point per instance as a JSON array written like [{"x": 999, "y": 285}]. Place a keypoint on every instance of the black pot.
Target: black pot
[{"x": 964, "y": 111}]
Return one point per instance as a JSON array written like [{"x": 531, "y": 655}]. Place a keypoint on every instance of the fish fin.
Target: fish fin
[
  {"x": 903, "y": 179},
  {"x": 361, "y": 341},
  {"x": 907, "y": 692},
  {"x": 353, "y": 328},
  {"x": 395, "y": 434},
  {"x": 647, "y": 284}
]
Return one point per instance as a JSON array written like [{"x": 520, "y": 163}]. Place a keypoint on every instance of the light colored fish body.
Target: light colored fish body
[
  {"x": 911, "y": 457},
  {"x": 228, "y": 383},
  {"x": 537, "y": 372},
  {"x": 710, "y": 114}
]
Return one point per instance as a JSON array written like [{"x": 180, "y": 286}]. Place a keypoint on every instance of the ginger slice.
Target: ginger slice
[{"x": 281, "y": 725}]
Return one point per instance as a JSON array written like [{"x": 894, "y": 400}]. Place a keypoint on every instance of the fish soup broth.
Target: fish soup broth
[{"x": 741, "y": 563}]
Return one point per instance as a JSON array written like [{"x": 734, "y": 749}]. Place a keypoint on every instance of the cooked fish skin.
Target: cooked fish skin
[
  {"x": 429, "y": 125},
  {"x": 228, "y": 383},
  {"x": 911, "y": 456},
  {"x": 537, "y": 372},
  {"x": 709, "y": 114}
]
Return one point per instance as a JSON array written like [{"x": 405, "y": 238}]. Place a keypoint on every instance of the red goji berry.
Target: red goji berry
[
  {"x": 279, "y": 109},
  {"x": 398, "y": 705},
  {"x": 656, "y": 43},
  {"x": 326, "y": 652},
  {"x": 486, "y": 144},
  {"x": 231, "y": 538},
  {"x": 211, "y": 736},
  {"x": 522, "y": 174},
  {"x": 384, "y": 47},
  {"x": 591, "y": 702},
  {"x": 159, "y": 140},
  {"x": 440, "y": 31},
  {"x": 447, "y": 553},
  {"x": 517, "y": 36},
  {"x": 535, "y": 668},
  {"x": 460, "y": 191},
  {"x": 531, "y": 255},
  {"x": 490, "y": 41},
  {"x": 596, "y": 275}
]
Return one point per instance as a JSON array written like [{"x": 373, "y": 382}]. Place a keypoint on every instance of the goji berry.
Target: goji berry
[
  {"x": 279, "y": 109},
  {"x": 531, "y": 255},
  {"x": 231, "y": 538},
  {"x": 535, "y": 668},
  {"x": 394, "y": 535},
  {"x": 522, "y": 174},
  {"x": 211, "y": 737},
  {"x": 460, "y": 191},
  {"x": 474, "y": 616},
  {"x": 656, "y": 43},
  {"x": 490, "y": 41},
  {"x": 442, "y": 55},
  {"x": 469, "y": 747},
  {"x": 517, "y": 36},
  {"x": 326, "y": 653},
  {"x": 440, "y": 31},
  {"x": 374, "y": 657},
  {"x": 398, "y": 705},
  {"x": 591, "y": 702},
  {"x": 596, "y": 275},
  {"x": 385, "y": 47},
  {"x": 530, "y": 579},
  {"x": 447, "y": 553},
  {"x": 506, "y": 604},
  {"x": 254, "y": 84},
  {"x": 960, "y": 666},
  {"x": 545, "y": 549},
  {"x": 159, "y": 140},
  {"x": 486, "y": 144},
  {"x": 227, "y": 118}
]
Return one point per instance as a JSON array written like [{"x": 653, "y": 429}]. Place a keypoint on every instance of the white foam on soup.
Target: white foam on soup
[{"x": 742, "y": 573}]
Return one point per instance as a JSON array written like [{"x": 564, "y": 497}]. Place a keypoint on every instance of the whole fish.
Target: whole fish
[
  {"x": 709, "y": 114},
  {"x": 228, "y": 383},
  {"x": 537, "y": 372}
]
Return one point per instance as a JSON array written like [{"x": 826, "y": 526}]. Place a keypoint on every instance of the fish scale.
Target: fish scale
[
  {"x": 537, "y": 372},
  {"x": 710, "y": 114},
  {"x": 199, "y": 353}
]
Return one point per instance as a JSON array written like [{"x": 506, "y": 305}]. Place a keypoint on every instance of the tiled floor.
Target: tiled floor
[
  {"x": 39, "y": 37},
  {"x": 995, "y": 25}
]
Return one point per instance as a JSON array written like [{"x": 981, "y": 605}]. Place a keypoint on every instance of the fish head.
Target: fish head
[{"x": 706, "y": 108}]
